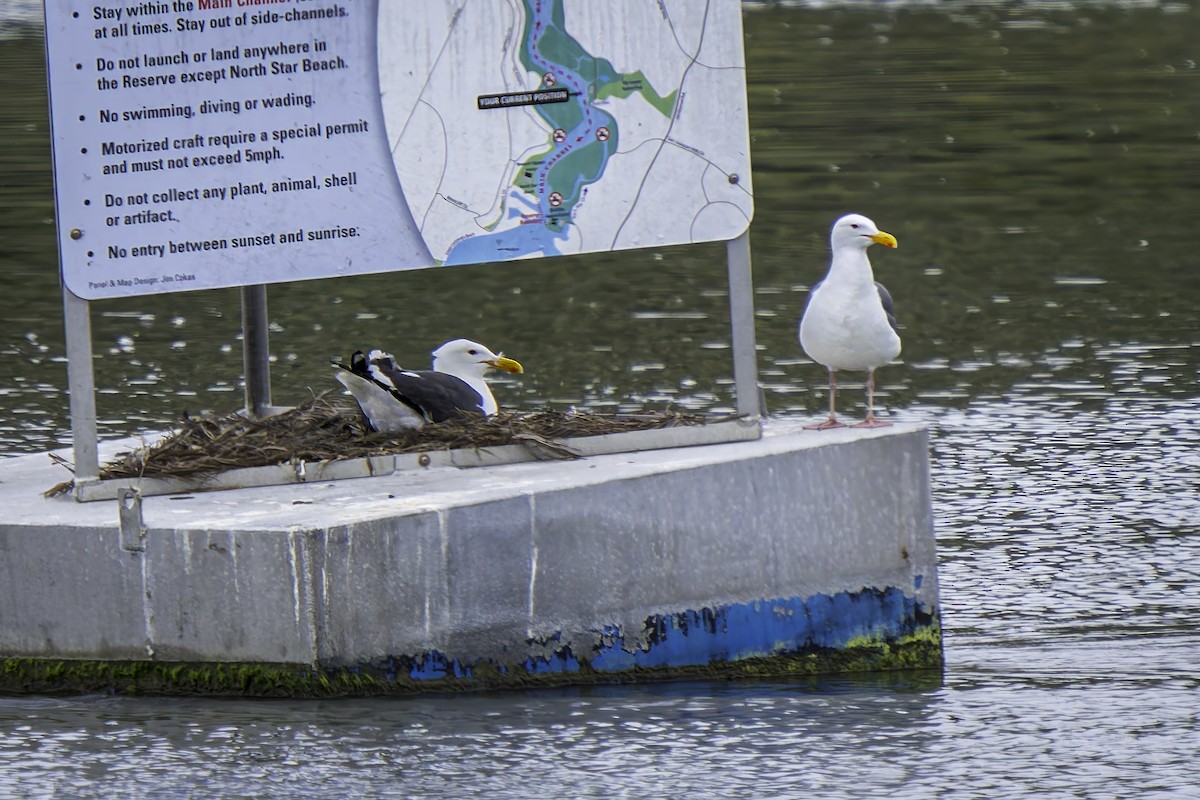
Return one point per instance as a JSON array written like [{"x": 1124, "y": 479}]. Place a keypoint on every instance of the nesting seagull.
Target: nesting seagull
[
  {"x": 393, "y": 399},
  {"x": 849, "y": 323}
]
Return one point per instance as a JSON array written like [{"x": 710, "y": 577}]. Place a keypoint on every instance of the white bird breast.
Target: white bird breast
[{"x": 847, "y": 329}]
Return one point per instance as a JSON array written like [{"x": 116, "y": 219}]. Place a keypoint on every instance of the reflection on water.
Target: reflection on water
[
  {"x": 980, "y": 735},
  {"x": 1040, "y": 166},
  {"x": 1087, "y": 522}
]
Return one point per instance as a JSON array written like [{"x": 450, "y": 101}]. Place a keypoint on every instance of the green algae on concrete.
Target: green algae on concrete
[{"x": 921, "y": 650}]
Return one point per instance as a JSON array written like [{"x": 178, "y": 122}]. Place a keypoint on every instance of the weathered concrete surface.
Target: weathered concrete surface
[{"x": 797, "y": 545}]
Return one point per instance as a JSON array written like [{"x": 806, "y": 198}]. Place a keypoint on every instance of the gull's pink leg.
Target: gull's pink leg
[
  {"x": 870, "y": 421},
  {"x": 832, "y": 422}
]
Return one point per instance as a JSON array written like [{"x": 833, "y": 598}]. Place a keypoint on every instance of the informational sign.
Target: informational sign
[{"x": 211, "y": 143}]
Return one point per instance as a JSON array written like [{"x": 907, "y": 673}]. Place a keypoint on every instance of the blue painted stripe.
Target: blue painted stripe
[
  {"x": 747, "y": 630},
  {"x": 434, "y": 666},
  {"x": 764, "y": 628}
]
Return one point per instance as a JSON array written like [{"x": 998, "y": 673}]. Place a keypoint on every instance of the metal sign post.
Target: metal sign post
[
  {"x": 256, "y": 357},
  {"x": 82, "y": 385},
  {"x": 741, "y": 321}
]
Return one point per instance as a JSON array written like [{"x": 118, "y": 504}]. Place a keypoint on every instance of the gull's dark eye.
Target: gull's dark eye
[
  {"x": 854, "y": 225},
  {"x": 472, "y": 352}
]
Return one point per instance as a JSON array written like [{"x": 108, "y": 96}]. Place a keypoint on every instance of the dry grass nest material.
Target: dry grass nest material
[{"x": 320, "y": 430}]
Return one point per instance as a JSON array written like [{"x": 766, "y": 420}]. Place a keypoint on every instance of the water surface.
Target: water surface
[{"x": 1040, "y": 166}]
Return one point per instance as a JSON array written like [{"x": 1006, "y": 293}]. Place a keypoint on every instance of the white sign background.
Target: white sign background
[{"x": 213, "y": 143}]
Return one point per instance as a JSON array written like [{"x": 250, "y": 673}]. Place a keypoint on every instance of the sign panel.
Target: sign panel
[{"x": 210, "y": 143}]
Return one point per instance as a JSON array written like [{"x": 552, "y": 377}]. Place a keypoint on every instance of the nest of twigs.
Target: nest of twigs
[{"x": 320, "y": 430}]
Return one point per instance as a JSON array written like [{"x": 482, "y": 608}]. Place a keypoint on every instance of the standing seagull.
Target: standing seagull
[
  {"x": 393, "y": 399},
  {"x": 848, "y": 322}
]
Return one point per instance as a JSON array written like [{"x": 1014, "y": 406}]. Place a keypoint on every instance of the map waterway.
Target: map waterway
[{"x": 582, "y": 138}]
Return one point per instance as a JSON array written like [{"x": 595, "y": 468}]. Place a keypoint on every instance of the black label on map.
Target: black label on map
[{"x": 485, "y": 101}]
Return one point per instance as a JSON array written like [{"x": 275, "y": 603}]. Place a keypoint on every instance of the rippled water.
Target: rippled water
[{"x": 1040, "y": 166}]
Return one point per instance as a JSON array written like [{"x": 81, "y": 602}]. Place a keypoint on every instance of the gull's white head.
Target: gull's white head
[
  {"x": 855, "y": 230},
  {"x": 465, "y": 358}
]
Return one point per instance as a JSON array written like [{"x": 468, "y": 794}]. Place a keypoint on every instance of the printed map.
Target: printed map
[{"x": 547, "y": 127}]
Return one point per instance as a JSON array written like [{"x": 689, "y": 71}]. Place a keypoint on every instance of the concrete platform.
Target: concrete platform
[{"x": 799, "y": 552}]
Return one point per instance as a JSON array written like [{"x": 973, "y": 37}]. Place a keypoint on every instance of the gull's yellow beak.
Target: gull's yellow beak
[
  {"x": 506, "y": 364},
  {"x": 884, "y": 238}
]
